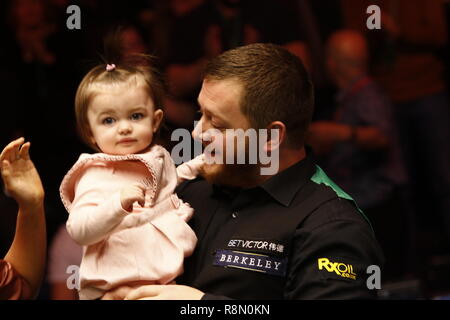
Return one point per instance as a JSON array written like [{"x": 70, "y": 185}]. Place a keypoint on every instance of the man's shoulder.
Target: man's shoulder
[{"x": 329, "y": 207}]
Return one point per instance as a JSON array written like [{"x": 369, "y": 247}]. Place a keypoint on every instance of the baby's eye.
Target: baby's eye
[
  {"x": 137, "y": 116},
  {"x": 108, "y": 120}
]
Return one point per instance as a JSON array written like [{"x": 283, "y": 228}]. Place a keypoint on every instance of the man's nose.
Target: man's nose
[
  {"x": 205, "y": 135},
  {"x": 198, "y": 131}
]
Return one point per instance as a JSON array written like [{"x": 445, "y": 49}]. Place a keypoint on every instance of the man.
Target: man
[
  {"x": 291, "y": 234},
  {"x": 359, "y": 147}
]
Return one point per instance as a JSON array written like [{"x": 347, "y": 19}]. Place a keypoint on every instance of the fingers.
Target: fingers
[
  {"x": 11, "y": 151},
  {"x": 131, "y": 194},
  {"x": 144, "y": 292},
  {"x": 164, "y": 292},
  {"x": 5, "y": 169},
  {"x": 117, "y": 294},
  {"x": 140, "y": 192},
  {"x": 24, "y": 151}
]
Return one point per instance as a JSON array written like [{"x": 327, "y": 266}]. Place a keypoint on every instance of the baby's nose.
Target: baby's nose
[{"x": 125, "y": 127}]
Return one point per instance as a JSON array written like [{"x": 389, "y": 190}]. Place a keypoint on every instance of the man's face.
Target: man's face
[{"x": 219, "y": 102}]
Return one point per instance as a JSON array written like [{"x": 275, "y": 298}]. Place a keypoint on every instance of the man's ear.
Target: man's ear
[
  {"x": 276, "y": 134},
  {"x": 157, "y": 119}
]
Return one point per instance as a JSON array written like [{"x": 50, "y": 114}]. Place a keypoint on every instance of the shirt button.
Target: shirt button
[{"x": 234, "y": 215}]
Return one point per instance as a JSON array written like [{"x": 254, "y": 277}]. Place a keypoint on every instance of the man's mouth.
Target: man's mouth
[{"x": 211, "y": 156}]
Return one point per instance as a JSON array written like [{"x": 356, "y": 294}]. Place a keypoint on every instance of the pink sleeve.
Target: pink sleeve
[
  {"x": 12, "y": 285},
  {"x": 190, "y": 170},
  {"x": 95, "y": 211}
]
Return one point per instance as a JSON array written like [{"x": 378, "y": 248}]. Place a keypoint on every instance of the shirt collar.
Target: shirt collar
[{"x": 284, "y": 186}]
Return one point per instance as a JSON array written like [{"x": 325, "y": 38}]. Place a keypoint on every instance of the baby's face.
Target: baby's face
[{"x": 123, "y": 120}]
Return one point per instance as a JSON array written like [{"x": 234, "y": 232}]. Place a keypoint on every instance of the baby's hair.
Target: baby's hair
[{"x": 116, "y": 70}]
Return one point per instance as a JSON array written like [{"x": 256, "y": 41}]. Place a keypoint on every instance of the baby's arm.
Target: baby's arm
[
  {"x": 96, "y": 209},
  {"x": 190, "y": 170}
]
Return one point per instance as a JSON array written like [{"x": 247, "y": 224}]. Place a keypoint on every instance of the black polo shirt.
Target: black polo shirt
[{"x": 296, "y": 236}]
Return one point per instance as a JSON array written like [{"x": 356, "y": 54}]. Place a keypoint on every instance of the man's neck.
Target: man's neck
[
  {"x": 287, "y": 158},
  {"x": 291, "y": 157}
]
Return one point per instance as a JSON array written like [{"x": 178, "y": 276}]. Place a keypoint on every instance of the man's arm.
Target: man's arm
[
  {"x": 330, "y": 255},
  {"x": 154, "y": 292},
  {"x": 27, "y": 253}
]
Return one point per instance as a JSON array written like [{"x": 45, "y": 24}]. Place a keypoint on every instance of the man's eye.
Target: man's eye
[
  {"x": 218, "y": 127},
  {"x": 108, "y": 120},
  {"x": 137, "y": 116}
]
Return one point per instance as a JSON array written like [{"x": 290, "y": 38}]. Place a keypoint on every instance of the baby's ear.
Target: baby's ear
[{"x": 157, "y": 118}]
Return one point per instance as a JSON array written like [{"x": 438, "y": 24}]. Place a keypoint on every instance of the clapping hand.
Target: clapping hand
[{"x": 21, "y": 179}]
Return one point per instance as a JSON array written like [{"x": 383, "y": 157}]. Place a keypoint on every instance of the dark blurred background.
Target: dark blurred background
[{"x": 42, "y": 63}]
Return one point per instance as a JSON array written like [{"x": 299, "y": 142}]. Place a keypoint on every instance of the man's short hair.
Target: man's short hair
[{"x": 276, "y": 86}]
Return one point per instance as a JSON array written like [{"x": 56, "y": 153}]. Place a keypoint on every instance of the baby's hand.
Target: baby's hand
[{"x": 131, "y": 194}]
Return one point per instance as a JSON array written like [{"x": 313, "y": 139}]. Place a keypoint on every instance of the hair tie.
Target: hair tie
[{"x": 110, "y": 67}]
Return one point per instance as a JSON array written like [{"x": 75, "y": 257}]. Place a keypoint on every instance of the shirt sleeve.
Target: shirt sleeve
[
  {"x": 95, "y": 211},
  {"x": 331, "y": 254},
  {"x": 12, "y": 285}
]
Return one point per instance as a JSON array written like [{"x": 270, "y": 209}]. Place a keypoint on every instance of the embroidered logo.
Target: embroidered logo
[
  {"x": 341, "y": 269},
  {"x": 262, "y": 245},
  {"x": 251, "y": 261}
]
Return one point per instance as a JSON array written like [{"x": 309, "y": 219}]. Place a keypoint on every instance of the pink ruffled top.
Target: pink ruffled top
[{"x": 146, "y": 245}]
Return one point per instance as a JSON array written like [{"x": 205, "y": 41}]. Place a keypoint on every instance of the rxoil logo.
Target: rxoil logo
[{"x": 341, "y": 269}]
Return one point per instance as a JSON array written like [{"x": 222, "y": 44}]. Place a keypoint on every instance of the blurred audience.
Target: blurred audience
[
  {"x": 359, "y": 147},
  {"x": 40, "y": 70},
  {"x": 409, "y": 66},
  {"x": 204, "y": 29},
  {"x": 44, "y": 61}
]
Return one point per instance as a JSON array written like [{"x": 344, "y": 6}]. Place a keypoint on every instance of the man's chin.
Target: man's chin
[
  {"x": 230, "y": 175},
  {"x": 212, "y": 172}
]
